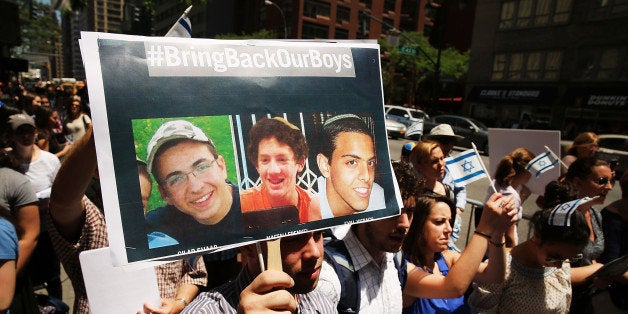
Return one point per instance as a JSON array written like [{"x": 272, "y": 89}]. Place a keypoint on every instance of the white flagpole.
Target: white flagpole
[
  {"x": 488, "y": 175},
  {"x": 554, "y": 155}
]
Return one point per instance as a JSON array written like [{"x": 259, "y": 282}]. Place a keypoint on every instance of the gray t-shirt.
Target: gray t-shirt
[{"x": 15, "y": 190}]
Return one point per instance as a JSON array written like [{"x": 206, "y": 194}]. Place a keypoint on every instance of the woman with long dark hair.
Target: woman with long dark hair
[{"x": 426, "y": 246}]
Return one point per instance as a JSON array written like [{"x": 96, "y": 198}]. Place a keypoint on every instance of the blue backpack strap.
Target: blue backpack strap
[
  {"x": 338, "y": 257},
  {"x": 402, "y": 268}
]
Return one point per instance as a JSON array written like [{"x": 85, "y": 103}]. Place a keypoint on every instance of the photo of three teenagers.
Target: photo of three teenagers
[
  {"x": 205, "y": 145},
  {"x": 265, "y": 173}
]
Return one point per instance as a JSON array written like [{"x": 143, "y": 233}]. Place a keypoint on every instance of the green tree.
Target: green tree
[
  {"x": 409, "y": 79},
  {"x": 262, "y": 34},
  {"x": 40, "y": 30}
]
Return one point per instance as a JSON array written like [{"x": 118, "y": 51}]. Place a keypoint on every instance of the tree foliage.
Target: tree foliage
[
  {"x": 410, "y": 79},
  {"x": 262, "y": 34},
  {"x": 40, "y": 30}
]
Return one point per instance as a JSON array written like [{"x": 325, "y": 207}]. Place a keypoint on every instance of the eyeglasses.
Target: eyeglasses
[
  {"x": 603, "y": 181},
  {"x": 179, "y": 180},
  {"x": 554, "y": 260}
]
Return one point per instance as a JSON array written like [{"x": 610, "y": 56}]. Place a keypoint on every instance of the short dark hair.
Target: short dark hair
[
  {"x": 558, "y": 192},
  {"x": 409, "y": 182},
  {"x": 575, "y": 234},
  {"x": 583, "y": 167},
  {"x": 336, "y": 125},
  {"x": 279, "y": 128}
]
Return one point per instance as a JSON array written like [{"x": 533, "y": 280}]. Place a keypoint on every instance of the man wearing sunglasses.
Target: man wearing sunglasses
[{"x": 192, "y": 178}]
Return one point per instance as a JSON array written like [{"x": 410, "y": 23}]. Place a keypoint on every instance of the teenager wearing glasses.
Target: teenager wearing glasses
[
  {"x": 192, "y": 178},
  {"x": 590, "y": 177},
  {"x": 538, "y": 271}
]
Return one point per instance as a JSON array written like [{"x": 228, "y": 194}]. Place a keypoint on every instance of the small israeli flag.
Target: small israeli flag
[
  {"x": 183, "y": 26},
  {"x": 415, "y": 128},
  {"x": 465, "y": 167},
  {"x": 541, "y": 163},
  {"x": 561, "y": 214}
]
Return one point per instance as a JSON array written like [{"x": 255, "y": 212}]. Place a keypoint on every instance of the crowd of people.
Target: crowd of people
[{"x": 409, "y": 263}]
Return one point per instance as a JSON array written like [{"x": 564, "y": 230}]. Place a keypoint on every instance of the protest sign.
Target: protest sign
[{"x": 184, "y": 110}]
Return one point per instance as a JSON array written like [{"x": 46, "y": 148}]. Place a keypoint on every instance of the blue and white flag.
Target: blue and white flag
[
  {"x": 415, "y": 128},
  {"x": 183, "y": 26},
  {"x": 541, "y": 163},
  {"x": 561, "y": 214},
  {"x": 465, "y": 167}
]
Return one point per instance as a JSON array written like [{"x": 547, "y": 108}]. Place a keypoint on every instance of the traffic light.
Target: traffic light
[
  {"x": 137, "y": 13},
  {"x": 431, "y": 10},
  {"x": 433, "y": 21}
]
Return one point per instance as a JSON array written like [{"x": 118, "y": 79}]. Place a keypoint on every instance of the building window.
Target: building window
[
  {"x": 534, "y": 13},
  {"x": 367, "y": 3},
  {"x": 499, "y": 67},
  {"x": 527, "y": 66},
  {"x": 312, "y": 8},
  {"x": 388, "y": 21},
  {"x": 343, "y": 14},
  {"x": 603, "y": 64},
  {"x": 608, "y": 9},
  {"x": 341, "y": 33},
  {"x": 313, "y": 31},
  {"x": 389, "y": 5}
]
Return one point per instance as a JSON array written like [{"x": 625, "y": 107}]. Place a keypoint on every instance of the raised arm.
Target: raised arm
[
  {"x": 494, "y": 270},
  {"x": 494, "y": 221},
  {"x": 27, "y": 217},
  {"x": 68, "y": 188}
]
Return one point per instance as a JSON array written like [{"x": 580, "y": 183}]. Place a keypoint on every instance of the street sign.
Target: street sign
[{"x": 407, "y": 50}]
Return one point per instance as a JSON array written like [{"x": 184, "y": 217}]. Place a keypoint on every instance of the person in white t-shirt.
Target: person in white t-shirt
[{"x": 40, "y": 168}]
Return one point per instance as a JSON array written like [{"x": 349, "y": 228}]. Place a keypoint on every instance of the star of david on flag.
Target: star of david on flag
[
  {"x": 561, "y": 214},
  {"x": 465, "y": 167},
  {"x": 415, "y": 128},
  {"x": 541, "y": 163}
]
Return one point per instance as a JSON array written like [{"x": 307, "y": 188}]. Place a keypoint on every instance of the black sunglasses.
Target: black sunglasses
[{"x": 603, "y": 181}]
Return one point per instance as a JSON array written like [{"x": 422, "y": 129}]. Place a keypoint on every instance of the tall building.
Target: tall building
[
  {"x": 550, "y": 63},
  {"x": 304, "y": 19},
  {"x": 211, "y": 18},
  {"x": 98, "y": 16}
]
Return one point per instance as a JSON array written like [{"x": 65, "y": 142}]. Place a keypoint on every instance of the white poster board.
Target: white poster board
[
  {"x": 113, "y": 289},
  {"x": 504, "y": 141},
  {"x": 224, "y": 88}
]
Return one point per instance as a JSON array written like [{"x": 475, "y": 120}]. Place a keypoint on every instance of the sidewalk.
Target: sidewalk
[{"x": 68, "y": 291}]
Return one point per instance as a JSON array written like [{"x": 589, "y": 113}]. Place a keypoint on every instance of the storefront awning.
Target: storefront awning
[{"x": 510, "y": 94}]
